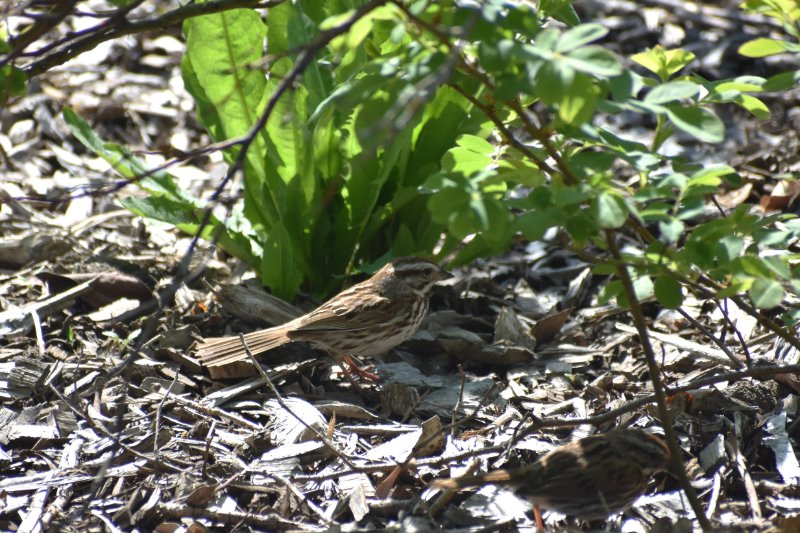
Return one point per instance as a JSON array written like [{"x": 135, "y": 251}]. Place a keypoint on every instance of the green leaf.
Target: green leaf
[
  {"x": 763, "y": 47},
  {"x": 766, "y": 293},
  {"x": 495, "y": 57},
  {"x": 610, "y": 210},
  {"x": 580, "y": 226},
  {"x": 663, "y": 62},
  {"x": 594, "y": 59},
  {"x": 12, "y": 82},
  {"x": 729, "y": 247},
  {"x": 125, "y": 163},
  {"x": 671, "y": 229},
  {"x": 447, "y": 201},
  {"x": 669, "y": 292},
  {"x": 278, "y": 268},
  {"x": 754, "y": 266},
  {"x": 225, "y": 52},
  {"x": 778, "y": 266},
  {"x": 578, "y": 103},
  {"x": 642, "y": 288},
  {"x": 545, "y": 42},
  {"x": 552, "y": 81},
  {"x": 475, "y": 144},
  {"x": 533, "y": 224},
  {"x": 698, "y": 122},
  {"x": 755, "y": 106},
  {"x": 465, "y": 161},
  {"x": 560, "y": 10},
  {"x": 610, "y": 291},
  {"x": 672, "y": 91},
  {"x": 739, "y": 84},
  {"x": 579, "y": 36},
  {"x": 782, "y": 81}
]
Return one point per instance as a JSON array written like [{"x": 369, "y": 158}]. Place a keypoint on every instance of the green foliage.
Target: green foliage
[
  {"x": 12, "y": 79},
  {"x": 167, "y": 202},
  {"x": 421, "y": 128}
]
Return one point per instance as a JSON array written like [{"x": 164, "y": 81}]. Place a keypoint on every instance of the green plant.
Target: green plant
[
  {"x": 400, "y": 128},
  {"x": 12, "y": 79}
]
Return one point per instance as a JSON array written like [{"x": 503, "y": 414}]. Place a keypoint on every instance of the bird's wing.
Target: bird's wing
[{"x": 339, "y": 314}]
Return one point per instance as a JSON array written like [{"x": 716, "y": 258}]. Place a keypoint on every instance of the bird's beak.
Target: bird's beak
[{"x": 443, "y": 275}]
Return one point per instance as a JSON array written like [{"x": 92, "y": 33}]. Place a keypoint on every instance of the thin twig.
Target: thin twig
[
  {"x": 705, "y": 331},
  {"x": 207, "y": 449},
  {"x": 158, "y": 413},
  {"x": 114, "y": 438},
  {"x": 661, "y": 400},
  {"x": 117, "y": 25},
  {"x": 341, "y": 455}
]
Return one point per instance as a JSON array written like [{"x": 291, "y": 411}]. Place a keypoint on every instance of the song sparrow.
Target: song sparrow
[
  {"x": 367, "y": 319},
  {"x": 589, "y": 478}
]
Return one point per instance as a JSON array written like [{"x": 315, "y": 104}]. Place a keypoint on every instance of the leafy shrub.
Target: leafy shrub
[{"x": 449, "y": 128}]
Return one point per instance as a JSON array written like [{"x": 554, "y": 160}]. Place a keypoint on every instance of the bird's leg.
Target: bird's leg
[
  {"x": 537, "y": 515},
  {"x": 355, "y": 369}
]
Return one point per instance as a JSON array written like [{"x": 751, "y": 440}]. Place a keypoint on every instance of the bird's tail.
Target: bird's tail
[
  {"x": 225, "y": 351},
  {"x": 457, "y": 483}
]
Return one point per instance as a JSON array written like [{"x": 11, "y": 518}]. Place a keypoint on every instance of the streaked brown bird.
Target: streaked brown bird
[
  {"x": 590, "y": 478},
  {"x": 368, "y": 319}
]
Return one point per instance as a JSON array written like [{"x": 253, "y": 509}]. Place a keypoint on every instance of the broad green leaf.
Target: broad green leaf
[
  {"x": 520, "y": 173},
  {"x": 533, "y": 224},
  {"x": 728, "y": 247},
  {"x": 701, "y": 183},
  {"x": 225, "y": 52},
  {"x": 475, "y": 144},
  {"x": 465, "y": 161},
  {"x": 278, "y": 266},
  {"x": 545, "y": 42},
  {"x": 672, "y": 91},
  {"x": 611, "y": 290},
  {"x": 570, "y": 196},
  {"x": 710, "y": 173},
  {"x": 579, "y": 36},
  {"x": 778, "y": 266},
  {"x": 741, "y": 84},
  {"x": 663, "y": 62},
  {"x": 578, "y": 102},
  {"x": 698, "y": 122},
  {"x": 360, "y": 29},
  {"x": 553, "y": 80},
  {"x": 754, "y": 266},
  {"x": 581, "y": 226},
  {"x": 691, "y": 207},
  {"x": 126, "y": 164},
  {"x": 609, "y": 210},
  {"x": 671, "y": 229},
  {"x": 350, "y": 94},
  {"x": 766, "y": 293},
  {"x": 626, "y": 85},
  {"x": 755, "y": 106},
  {"x": 443, "y": 203},
  {"x": 763, "y": 47},
  {"x": 642, "y": 288},
  {"x": 593, "y": 59},
  {"x": 12, "y": 82},
  {"x": 495, "y": 57},
  {"x": 782, "y": 81},
  {"x": 604, "y": 269},
  {"x": 668, "y": 291},
  {"x": 560, "y": 10}
]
